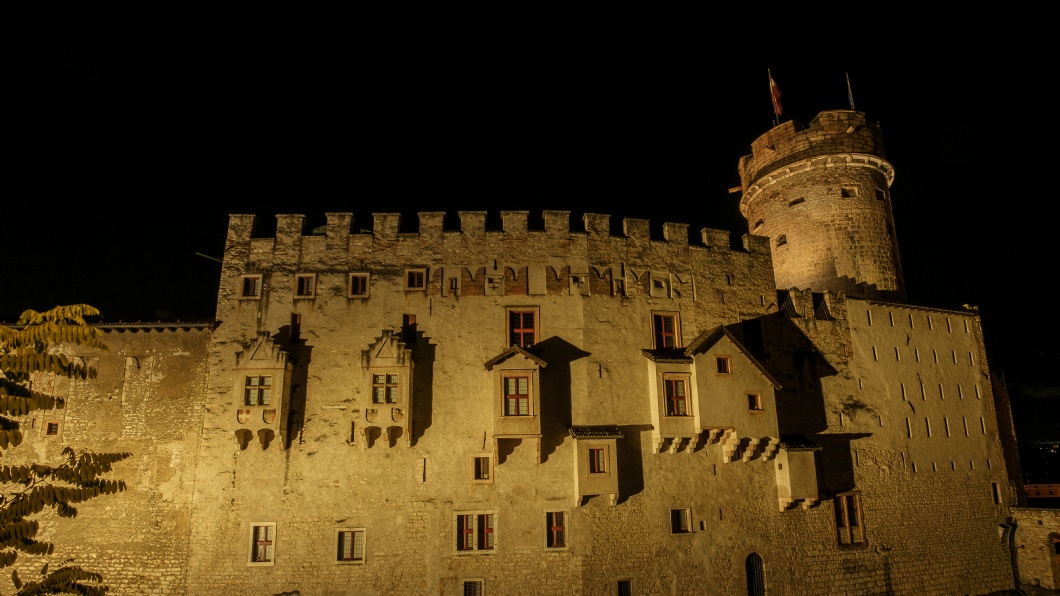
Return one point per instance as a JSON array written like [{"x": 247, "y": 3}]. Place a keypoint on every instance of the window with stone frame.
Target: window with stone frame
[
  {"x": 305, "y": 285},
  {"x": 475, "y": 532},
  {"x": 263, "y": 543},
  {"x": 350, "y": 547},
  {"x": 358, "y": 285},
  {"x": 258, "y": 390},
  {"x": 675, "y": 393},
  {"x": 680, "y": 521},
  {"x": 665, "y": 330},
  {"x": 522, "y": 327},
  {"x": 850, "y": 530},
  {"x": 250, "y": 287},
  {"x": 555, "y": 529},
  {"x": 416, "y": 279},
  {"x": 473, "y": 587},
  {"x": 385, "y": 388},
  {"x": 516, "y": 394},
  {"x": 482, "y": 469}
]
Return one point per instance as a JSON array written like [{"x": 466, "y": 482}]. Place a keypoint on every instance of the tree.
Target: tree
[{"x": 29, "y": 351}]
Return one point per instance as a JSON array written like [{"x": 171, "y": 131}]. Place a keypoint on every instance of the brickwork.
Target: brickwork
[{"x": 1036, "y": 539}]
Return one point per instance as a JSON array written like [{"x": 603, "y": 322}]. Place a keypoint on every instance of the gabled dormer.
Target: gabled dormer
[
  {"x": 736, "y": 396},
  {"x": 516, "y": 396},
  {"x": 262, "y": 392},
  {"x": 673, "y": 399},
  {"x": 595, "y": 461},
  {"x": 387, "y": 368}
]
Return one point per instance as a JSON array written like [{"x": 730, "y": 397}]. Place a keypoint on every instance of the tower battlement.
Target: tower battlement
[{"x": 831, "y": 132}]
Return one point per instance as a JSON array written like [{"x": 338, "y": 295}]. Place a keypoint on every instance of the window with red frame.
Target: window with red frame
[
  {"x": 676, "y": 398},
  {"x": 555, "y": 529},
  {"x": 522, "y": 328},
  {"x": 516, "y": 396},
  {"x": 665, "y": 330}
]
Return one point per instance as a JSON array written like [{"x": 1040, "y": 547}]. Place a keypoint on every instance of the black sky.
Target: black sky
[{"x": 123, "y": 154}]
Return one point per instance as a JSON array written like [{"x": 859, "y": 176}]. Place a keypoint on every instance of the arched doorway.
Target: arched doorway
[{"x": 756, "y": 581}]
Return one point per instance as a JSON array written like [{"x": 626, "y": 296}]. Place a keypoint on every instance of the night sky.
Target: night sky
[{"x": 122, "y": 155}]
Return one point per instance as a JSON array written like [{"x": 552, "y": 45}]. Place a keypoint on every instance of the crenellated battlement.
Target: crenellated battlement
[
  {"x": 472, "y": 233},
  {"x": 830, "y": 133}
]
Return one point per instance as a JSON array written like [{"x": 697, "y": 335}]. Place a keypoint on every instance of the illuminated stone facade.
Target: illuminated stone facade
[{"x": 547, "y": 411}]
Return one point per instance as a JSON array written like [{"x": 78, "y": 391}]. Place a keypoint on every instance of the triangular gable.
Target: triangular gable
[
  {"x": 263, "y": 350},
  {"x": 387, "y": 346},
  {"x": 706, "y": 340},
  {"x": 513, "y": 351}
]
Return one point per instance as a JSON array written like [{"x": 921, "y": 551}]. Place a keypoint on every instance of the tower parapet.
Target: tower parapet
[{"x": 821, "y": 193}]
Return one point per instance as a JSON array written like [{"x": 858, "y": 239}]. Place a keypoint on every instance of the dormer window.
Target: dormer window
[
  {"x": 385, "y": 388},
  {"x": 516, "y": 395},
  {"x": 258, "y": 390},
  {"x": 676, "y": 395}
]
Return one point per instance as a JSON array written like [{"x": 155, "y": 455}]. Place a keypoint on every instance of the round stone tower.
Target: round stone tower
[{"x": 821, "y": 193}]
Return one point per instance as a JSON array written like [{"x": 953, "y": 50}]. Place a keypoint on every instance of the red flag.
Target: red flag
[{"x": 775, "y": 92}]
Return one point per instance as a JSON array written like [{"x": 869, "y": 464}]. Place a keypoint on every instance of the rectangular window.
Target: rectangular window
[
  {"x": 676, "y": 398},
  {"x": 625, "y": 587},
  {"x": 516, "y": 395},
  {"x": 262, "y": 543},
  {"x": 481, "y": 468},
  {"x": 258, "y": 390},
  {"x": 555, "y": 529},
  {"x": 305, "y": 285},
  {"x": 724, "y": 365},
  {"x": 350, "y": 546},
  {"x": 597, "y": 460},
  {"x": 474, "y": 531},
  {"x": 522, "y": 328},
  {"x": 754, "y": 401},
  {"x": 473, "y": 587},
  {"x": 416, "y": 279},
  {"x": 665, "y": 330},
  {"x": 679, "y": 521},
  {"x": 848, "y": 519},
  {"x": 358, "y": 286},
  {"x": 251, "y": 287},
  {"x": 385, "y": 388}
]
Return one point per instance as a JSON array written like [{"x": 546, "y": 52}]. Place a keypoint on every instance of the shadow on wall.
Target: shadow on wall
[
  {"x": 423, "y": 354},
  {"x": 631, "y": 459},
  {"x": 555, "y": 391}
]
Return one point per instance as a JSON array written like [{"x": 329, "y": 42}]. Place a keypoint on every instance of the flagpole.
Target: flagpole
[
  {"x": 850, "y": 94},
  {"x": 775, "y": 123}
]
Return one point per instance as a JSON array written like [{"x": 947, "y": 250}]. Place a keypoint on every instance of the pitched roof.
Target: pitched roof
[
  {"x": 668, "y": 355},
  {"x": 602, "y": 431},
  {"x": 512, "y": 351},
  {"x": 706, "y": 340}
]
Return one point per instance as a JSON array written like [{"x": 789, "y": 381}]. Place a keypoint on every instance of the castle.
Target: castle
[{"x": 559, "y": 410}]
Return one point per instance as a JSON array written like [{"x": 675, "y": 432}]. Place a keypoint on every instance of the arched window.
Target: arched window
[{"x": 756, "y": 583}]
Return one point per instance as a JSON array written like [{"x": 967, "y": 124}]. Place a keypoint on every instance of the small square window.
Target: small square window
[
  {"x": 358, "y": 286},
  {"x": 385, "y": 388},
  {"x": 473, "y": 587},
  {"x": 53, "y": 428},
  {"x": 258, "y": 390},
  {"x": 598, "y": 460},
  {"x": 724, "y": 365},
  {"x": 522, "y": 327},
  {"x": 305, "y": 285},
  {"x": 625, "y": 587},
  {"x": 666, "y": 330},
  {"x": 754, "y": 401},
  {"x": 482, "y": 468},
  {"x": 250, "y": 287},
  {"x": 555, "y": 529},
  {"x": 350, "y": 546},
  {"x": 848, "y": 192},
  {"x": 262, "y": 544},
  {"x": 880, "y": 195},
  {"x": 680, "y": 522},
  {"x": 416, "y": 279}
]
